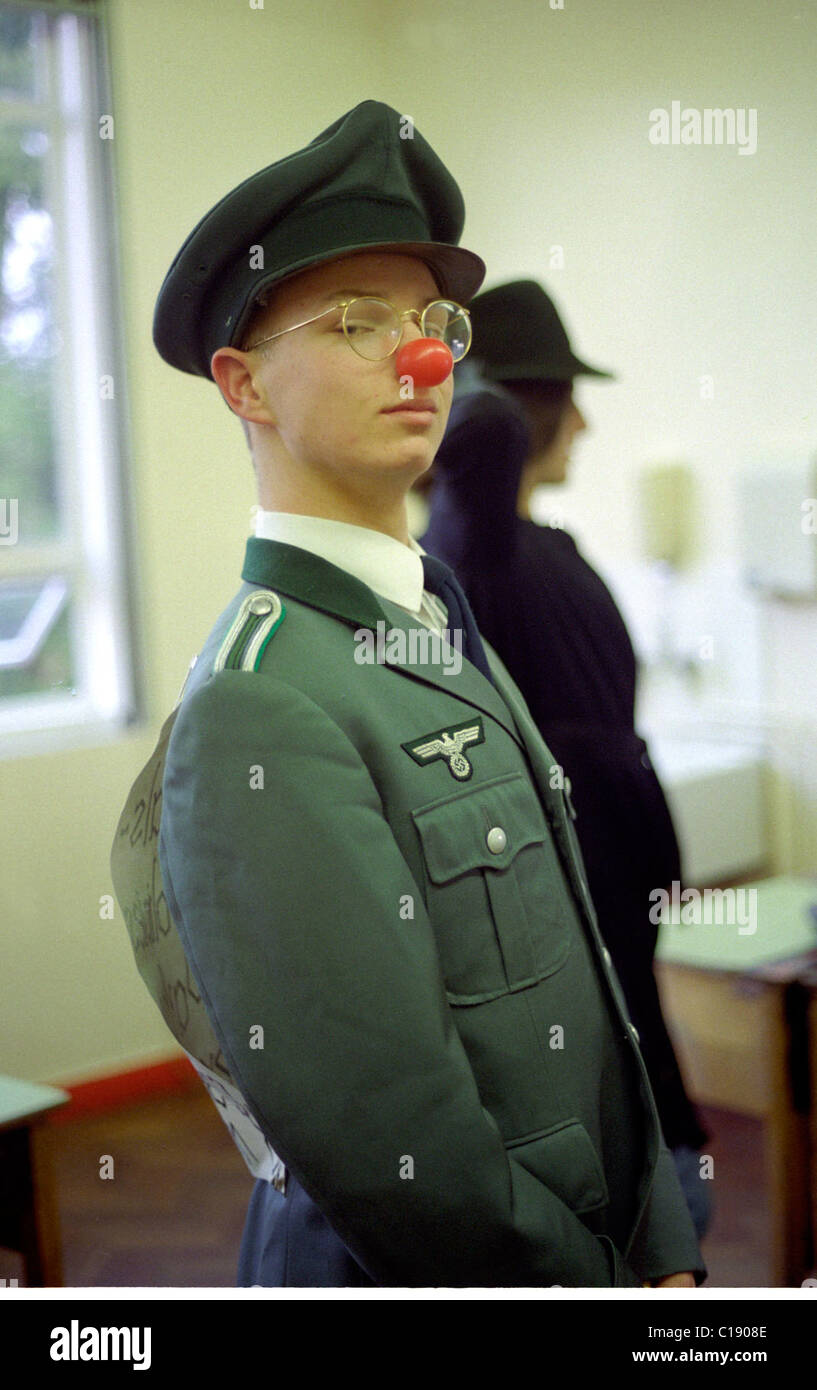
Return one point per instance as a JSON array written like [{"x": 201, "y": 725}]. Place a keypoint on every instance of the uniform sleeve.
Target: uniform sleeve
[
  {"x": 665, "y": 1242},
  {"x": 300, "y": 916}
]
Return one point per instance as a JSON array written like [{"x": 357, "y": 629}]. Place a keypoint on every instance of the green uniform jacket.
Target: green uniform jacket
[{"x": 374, "y": 875}]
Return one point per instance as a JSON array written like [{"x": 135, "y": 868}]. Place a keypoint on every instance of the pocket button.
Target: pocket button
[{"x": 496, "y": 839}]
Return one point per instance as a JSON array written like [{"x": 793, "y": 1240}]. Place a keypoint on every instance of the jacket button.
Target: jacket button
[
  {"x": 606, "y": 957},
  {"x": 496, "y": 839},
  {"x": 260, "y": 604},
  {"x": 634, "y": 1033}
]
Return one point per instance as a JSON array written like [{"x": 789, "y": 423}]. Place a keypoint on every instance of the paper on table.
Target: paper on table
[{"x": 744, "y": 927}]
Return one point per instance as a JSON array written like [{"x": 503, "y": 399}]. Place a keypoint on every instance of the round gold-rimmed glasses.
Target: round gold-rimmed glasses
[{"x": 373, "y": 328}]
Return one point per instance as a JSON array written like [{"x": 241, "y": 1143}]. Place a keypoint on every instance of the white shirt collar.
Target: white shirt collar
[{"x": 393, "y": 570}]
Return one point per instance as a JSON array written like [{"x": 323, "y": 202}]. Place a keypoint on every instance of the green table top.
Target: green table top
[
  {"x": 740, "y": 928},
  {"x": 24, "y": 1100}
]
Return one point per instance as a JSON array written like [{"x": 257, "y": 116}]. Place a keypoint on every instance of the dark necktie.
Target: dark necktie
[{"x": 440, "y": 579}]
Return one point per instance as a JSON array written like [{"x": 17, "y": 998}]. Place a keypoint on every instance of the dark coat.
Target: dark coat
[{"x": 556, "y": 626}]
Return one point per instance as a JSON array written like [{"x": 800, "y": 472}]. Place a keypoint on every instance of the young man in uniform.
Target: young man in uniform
[{"x": 365, "y": 889}]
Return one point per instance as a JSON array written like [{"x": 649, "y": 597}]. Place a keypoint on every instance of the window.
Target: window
[{"x": 65, "y": 663}]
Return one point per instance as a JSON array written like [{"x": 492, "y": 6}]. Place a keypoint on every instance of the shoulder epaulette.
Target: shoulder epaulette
[{"x": 258, "y": 617}]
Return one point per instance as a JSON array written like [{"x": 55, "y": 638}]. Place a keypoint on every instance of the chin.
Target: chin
[{"x": 416, "y": 455}]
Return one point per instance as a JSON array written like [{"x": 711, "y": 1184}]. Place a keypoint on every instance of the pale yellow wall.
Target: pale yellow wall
[{"x": 677, "y": 262}]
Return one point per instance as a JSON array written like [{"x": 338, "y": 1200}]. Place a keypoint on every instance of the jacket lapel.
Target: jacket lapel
[
  {"x": 311, "y": 579},
  {"x": 320, "y": 584}
]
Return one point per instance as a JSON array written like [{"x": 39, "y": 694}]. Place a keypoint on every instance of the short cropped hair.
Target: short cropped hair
[{"x": 259, "y": 307}]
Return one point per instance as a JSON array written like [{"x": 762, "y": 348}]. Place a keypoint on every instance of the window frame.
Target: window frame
[{"x": 96, "y": 549}]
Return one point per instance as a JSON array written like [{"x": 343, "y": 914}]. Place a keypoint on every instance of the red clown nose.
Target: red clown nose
[{"x": 426, "y": 360}]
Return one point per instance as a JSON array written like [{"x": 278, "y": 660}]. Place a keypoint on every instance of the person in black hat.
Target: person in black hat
[
  {"x": 556, "y": 626},
  {"x": 347, "y": 881}
]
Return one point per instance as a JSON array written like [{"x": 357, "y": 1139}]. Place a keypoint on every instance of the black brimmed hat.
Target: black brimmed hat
[
  {"x": 369, "y": 182},
  {"x": 518, "y": 336}
]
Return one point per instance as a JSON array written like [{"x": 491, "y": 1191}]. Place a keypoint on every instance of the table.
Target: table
[
  {"x": 29, "y": 1221},
  {"x": 743, "y": 1018}
]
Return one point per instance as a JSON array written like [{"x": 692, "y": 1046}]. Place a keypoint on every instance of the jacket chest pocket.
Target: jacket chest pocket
[{"x": 496, "y": 895}]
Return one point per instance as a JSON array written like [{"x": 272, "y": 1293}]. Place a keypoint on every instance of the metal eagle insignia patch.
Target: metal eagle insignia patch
[{"x": 448, "y": 744}]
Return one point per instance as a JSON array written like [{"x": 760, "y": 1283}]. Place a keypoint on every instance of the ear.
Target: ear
[{"x": 234, "y": 375}]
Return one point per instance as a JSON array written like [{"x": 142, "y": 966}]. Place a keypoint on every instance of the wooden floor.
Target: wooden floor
[{"x": 173, "y": 1212}]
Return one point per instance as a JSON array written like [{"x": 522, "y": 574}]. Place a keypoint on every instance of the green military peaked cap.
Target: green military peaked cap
[
  {"x": 519, "y": 336},
  {"x": 369, "y": 181}
]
